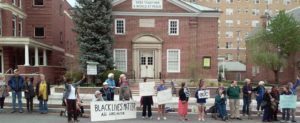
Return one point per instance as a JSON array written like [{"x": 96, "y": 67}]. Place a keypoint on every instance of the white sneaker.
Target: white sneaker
[
  {"x": 143, "y": 118},
  {"x": 165, "y": 118},
  {"x": 199, "y": 119},
  {"x": 158, "y": 118},
  {"x": 203, "y": 119},
  {"x": 150, "y": 118}
]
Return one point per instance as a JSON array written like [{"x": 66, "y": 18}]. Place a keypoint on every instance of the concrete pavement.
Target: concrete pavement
[{"x": 55, "y": 118}]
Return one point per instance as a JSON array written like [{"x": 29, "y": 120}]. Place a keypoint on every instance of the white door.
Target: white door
[{"x": 147, "y": 64}]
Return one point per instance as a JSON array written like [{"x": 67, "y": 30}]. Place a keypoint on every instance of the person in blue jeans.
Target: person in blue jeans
[
  {"x": 293, "y": 88},
  {"x": 111, "y": 84},
  {"x": 43, "y": 92},
  {"x": 16, "y": 84},
  {"x": 286, "y": 111},
  {"x": 247, "y": 91},
  {"x": 220, "y": 101}
]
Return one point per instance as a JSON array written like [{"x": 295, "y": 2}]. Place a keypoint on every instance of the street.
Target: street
[{"x": 55, "y": 118}]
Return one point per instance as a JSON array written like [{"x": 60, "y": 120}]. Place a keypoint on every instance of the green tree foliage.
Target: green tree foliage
[
  {"x": 93, "y": 24},
  {"x": 272, "y": 47}
]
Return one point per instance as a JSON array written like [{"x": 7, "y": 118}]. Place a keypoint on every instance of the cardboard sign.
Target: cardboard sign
[
  {"x": 288, "y": 101},
  {"x": 147, "y": 88},
  {"x": 112, "y": 110},
  {"x": 164, "y": 97},
  {"x": 203, "y": 94}
]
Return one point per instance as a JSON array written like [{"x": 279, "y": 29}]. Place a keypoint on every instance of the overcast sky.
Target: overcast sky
[{"x": 72, "y": 2}]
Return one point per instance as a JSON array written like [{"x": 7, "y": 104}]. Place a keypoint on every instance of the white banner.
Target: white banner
[
  {"x": 91, "y": 69},
  {"x": 147, "y": 88},
  {"x": 147, "y": 4},
  {"x": 164, "y": 97},
  {"x": 112, "y": 110},
  {"x": 203, "y": 94}
]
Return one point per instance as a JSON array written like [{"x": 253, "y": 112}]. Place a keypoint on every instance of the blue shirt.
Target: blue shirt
[
  {"x": 161, "y": 88},
  {"x": 293, "y": 89},
  {"x": 111, "y": 83}
]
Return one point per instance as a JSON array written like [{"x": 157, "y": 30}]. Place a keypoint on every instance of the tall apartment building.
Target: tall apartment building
[
  {"x": 239, "y": 18},
  {"x": 36, "y": 37}
]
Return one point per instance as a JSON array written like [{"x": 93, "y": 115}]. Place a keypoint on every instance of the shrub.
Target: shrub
[
  {"x": 74, "y": 75},
  {"x": 117, "y": 73}
]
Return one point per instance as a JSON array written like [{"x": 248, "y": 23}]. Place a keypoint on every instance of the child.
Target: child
[
  {"x": 201, "y": 101},
  {"x": 220, "y": 101}
]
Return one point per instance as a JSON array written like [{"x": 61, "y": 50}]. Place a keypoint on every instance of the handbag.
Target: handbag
[{"x": 264, "y": 104}]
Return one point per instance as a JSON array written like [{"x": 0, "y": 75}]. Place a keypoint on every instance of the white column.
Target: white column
[
  {"x": 36, "y": 56},
  {"x": 45, "y": 57},
  {"x": 26, "y": 55}
]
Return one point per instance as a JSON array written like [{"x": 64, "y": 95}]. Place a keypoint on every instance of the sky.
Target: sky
[{"x": 72, "y": 2}]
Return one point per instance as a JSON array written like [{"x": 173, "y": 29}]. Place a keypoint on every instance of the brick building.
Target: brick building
[
  {"x": 36, "y": 37},
  {"x": 169, "y": 39}
]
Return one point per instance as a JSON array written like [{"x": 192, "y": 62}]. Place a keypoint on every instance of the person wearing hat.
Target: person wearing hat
[
  {"x": 260, "y": 92},
  {"x": 97, "y": 96},
  {"x": 16, "y": 84},
  {"x": 111, "y": 84},
  {"x": 106, "y": 92}
]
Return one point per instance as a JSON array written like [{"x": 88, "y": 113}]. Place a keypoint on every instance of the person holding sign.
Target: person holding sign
[
  {"x": 293, "y": 88},
  {"x": 184, "y": 94},
  {"x": 146, "y": 103},
  {"x": 161, "y": 107},
  {"x": 201, "y": 97},
  {"x": 233, "y": 93},
  {"x": 111, "y": 84},
  {"x": 286, "y": 111}
]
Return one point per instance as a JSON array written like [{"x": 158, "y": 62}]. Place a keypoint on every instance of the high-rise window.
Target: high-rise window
[
  {"x": 38, "y": 2},
  {"x": 39, "y": 32},
  {"x": 229, "y": 11},
  {"x": 229, "y": 45}
]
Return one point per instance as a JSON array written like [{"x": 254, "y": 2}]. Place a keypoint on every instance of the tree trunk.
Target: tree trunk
[{"x": 276, "y": 75}]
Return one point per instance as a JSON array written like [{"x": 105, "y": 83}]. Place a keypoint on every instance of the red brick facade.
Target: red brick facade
[
  {"x": 196, "y": 33},
  {"x": 58, "y": 43}
]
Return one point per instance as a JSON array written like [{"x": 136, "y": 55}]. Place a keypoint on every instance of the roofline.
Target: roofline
[{"x": 166, "y": 14}]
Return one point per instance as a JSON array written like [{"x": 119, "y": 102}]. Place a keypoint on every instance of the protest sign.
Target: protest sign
[
  {"x": 112, "y": 110},
  {"x": 288, "y": 101},
  {"x": 164, "y": 96},
  {"x": 203, "y": 94},
  {"x": 147, "y": 88}
]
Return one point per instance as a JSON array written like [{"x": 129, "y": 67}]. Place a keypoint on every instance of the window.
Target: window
[
  {"x": 173, "y": 60},
  {"x": 246, "y": 22},
  {"x": 13, "y": 2},
  {"x": 229, "y": 11},
  {"x": 229, "y": 1},
  {"x": 229, "y": 23},
  {"x": 286, "y": 2},
  {"x": 238, "y": 22},
  {"x": 246, "y": 10},
  {"x": 120, "y": 59},
  {"x": 38, "y": 2},
  {"x": 255, "y": 12},
  {"x": 238, "y": 33},
  {"x": 255, "y": 70},
  {"x": 20, "y": 27},
  {"x": 120, "y": 26},
  {"x": 229, "y": 56},
  {"x": 218, "y": 1},
  {"x": 173, "y": 27},
  {"x": 39, "y": 32},
  {"x": 14, "y": 25},
  {"x": 256, "y": 1},
  {"x": 229, "y": 34},
  {"x": 20, "y": 3},
  {"x": 255, "y": 23},
  {"x": 246, "y": 34},
  {"x": 268, "y": 1},
  {"x": 229, "y": 45}
]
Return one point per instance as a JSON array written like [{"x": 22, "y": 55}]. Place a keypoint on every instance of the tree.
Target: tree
[
  {"x": 93, "y": 24},
  {"x": 273, "y": 46}
]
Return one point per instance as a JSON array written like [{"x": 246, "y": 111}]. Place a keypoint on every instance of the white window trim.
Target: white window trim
[
  {"x": 125, "y": 57},
  {"x": 15, "y": 2},
  {"x": 179, "y": 60},
  {"x": 124, "y": 26},
  {"x": 169, "y": 25},
  {"x": 15, "y": 24},
  {"x": 20, "y": 4},
  {"x": 2, "y": 60}
]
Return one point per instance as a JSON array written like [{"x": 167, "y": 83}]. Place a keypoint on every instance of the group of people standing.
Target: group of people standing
[{"x": 17, "y": 84}]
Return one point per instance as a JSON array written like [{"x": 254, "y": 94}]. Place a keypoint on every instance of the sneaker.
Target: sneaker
[
  {"x": 13, "y": 111},
  {"x": 203, "y": 119},
  {"x": 143, "y": 117},
  {"x": 165, "y": 118},
  {"x": 282, "y": 121},
  {"x": 158, "y": 118},
  {"x": 294, "y": 121},
  {"x": 150, "y": 118},
  {"x": 239, "y": 118},
  {"x": 288, "y": 121},
  {"x": 199, "y": 119}
]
